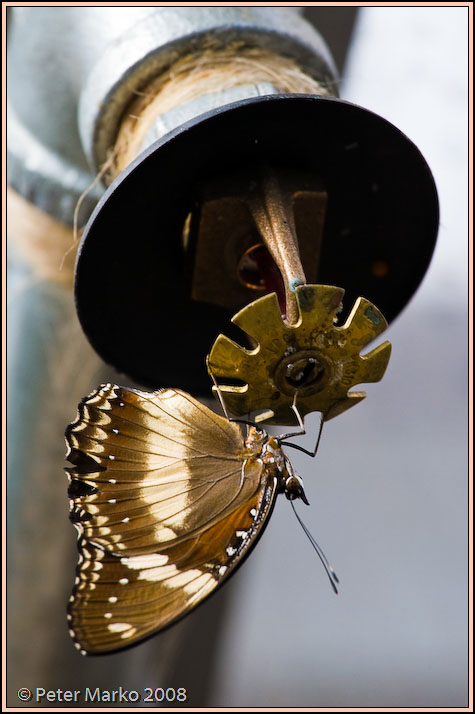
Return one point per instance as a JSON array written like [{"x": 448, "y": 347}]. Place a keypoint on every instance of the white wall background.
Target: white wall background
[{"x": 388, "y": 489}]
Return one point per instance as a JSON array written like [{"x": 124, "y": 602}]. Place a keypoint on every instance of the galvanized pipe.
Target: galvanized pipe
[{"x": 90, "y": 61}]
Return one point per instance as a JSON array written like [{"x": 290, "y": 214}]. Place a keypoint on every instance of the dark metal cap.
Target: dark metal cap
[{"x": 132, "y": 283}]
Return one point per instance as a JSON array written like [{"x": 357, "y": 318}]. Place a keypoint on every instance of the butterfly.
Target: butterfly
[{"x": 168, "y": 498}]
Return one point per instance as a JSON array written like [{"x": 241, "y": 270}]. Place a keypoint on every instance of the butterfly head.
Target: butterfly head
[{"x": 294, "y": 488}]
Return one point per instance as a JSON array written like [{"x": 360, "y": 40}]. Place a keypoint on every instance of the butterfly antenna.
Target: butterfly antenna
[{"x": 332, "y": 576}]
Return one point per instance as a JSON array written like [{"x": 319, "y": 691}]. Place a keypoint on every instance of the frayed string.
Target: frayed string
[{"x": 105, "y": 167}]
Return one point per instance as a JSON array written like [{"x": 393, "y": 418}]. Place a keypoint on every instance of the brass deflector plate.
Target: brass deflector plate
[{"x": 315, "y": 357}]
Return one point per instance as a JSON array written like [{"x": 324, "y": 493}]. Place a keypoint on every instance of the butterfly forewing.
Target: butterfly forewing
[
  {"x": 153, "y": 468},
  {"x": 167, "y": 498}
]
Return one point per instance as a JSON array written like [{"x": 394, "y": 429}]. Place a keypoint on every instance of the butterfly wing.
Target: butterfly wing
[
  {"x": 119, "y": 600},
  {"x": 167, "y": 500},
  {"x": 152, "y": 468}
]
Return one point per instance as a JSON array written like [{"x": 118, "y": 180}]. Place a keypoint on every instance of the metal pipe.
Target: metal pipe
[{"x": 91, "y": 61}]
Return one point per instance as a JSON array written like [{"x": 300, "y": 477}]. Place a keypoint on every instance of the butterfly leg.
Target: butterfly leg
[
  {"x": 299, "y": 420},
  {"x": 218, "y": 391},
  {"x": 301, "y": 432},
  {"x": 223, "y": 405}
]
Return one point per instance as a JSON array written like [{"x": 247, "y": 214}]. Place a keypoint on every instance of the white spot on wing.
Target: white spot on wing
[
  {"x": 163, "y": 572},
  {"x": 113, "y": 599},
  {"x": 164, "y": 534},
  {"x": 197, "y": 584},
  {"x": 129, "y": 633},
  {"x": 184, "y": 579},
  {"x": 139, "y": 562},
  {"x": 118, "y": 626}
]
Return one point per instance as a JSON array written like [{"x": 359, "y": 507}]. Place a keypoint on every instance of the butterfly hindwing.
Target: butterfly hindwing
[{"x": 118, "y": 600}]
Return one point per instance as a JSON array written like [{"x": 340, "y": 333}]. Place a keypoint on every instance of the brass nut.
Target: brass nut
[{"x": 308, "y": 371}]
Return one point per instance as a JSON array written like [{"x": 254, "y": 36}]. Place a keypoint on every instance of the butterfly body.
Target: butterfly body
[{"x": 168, "y": 499}]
